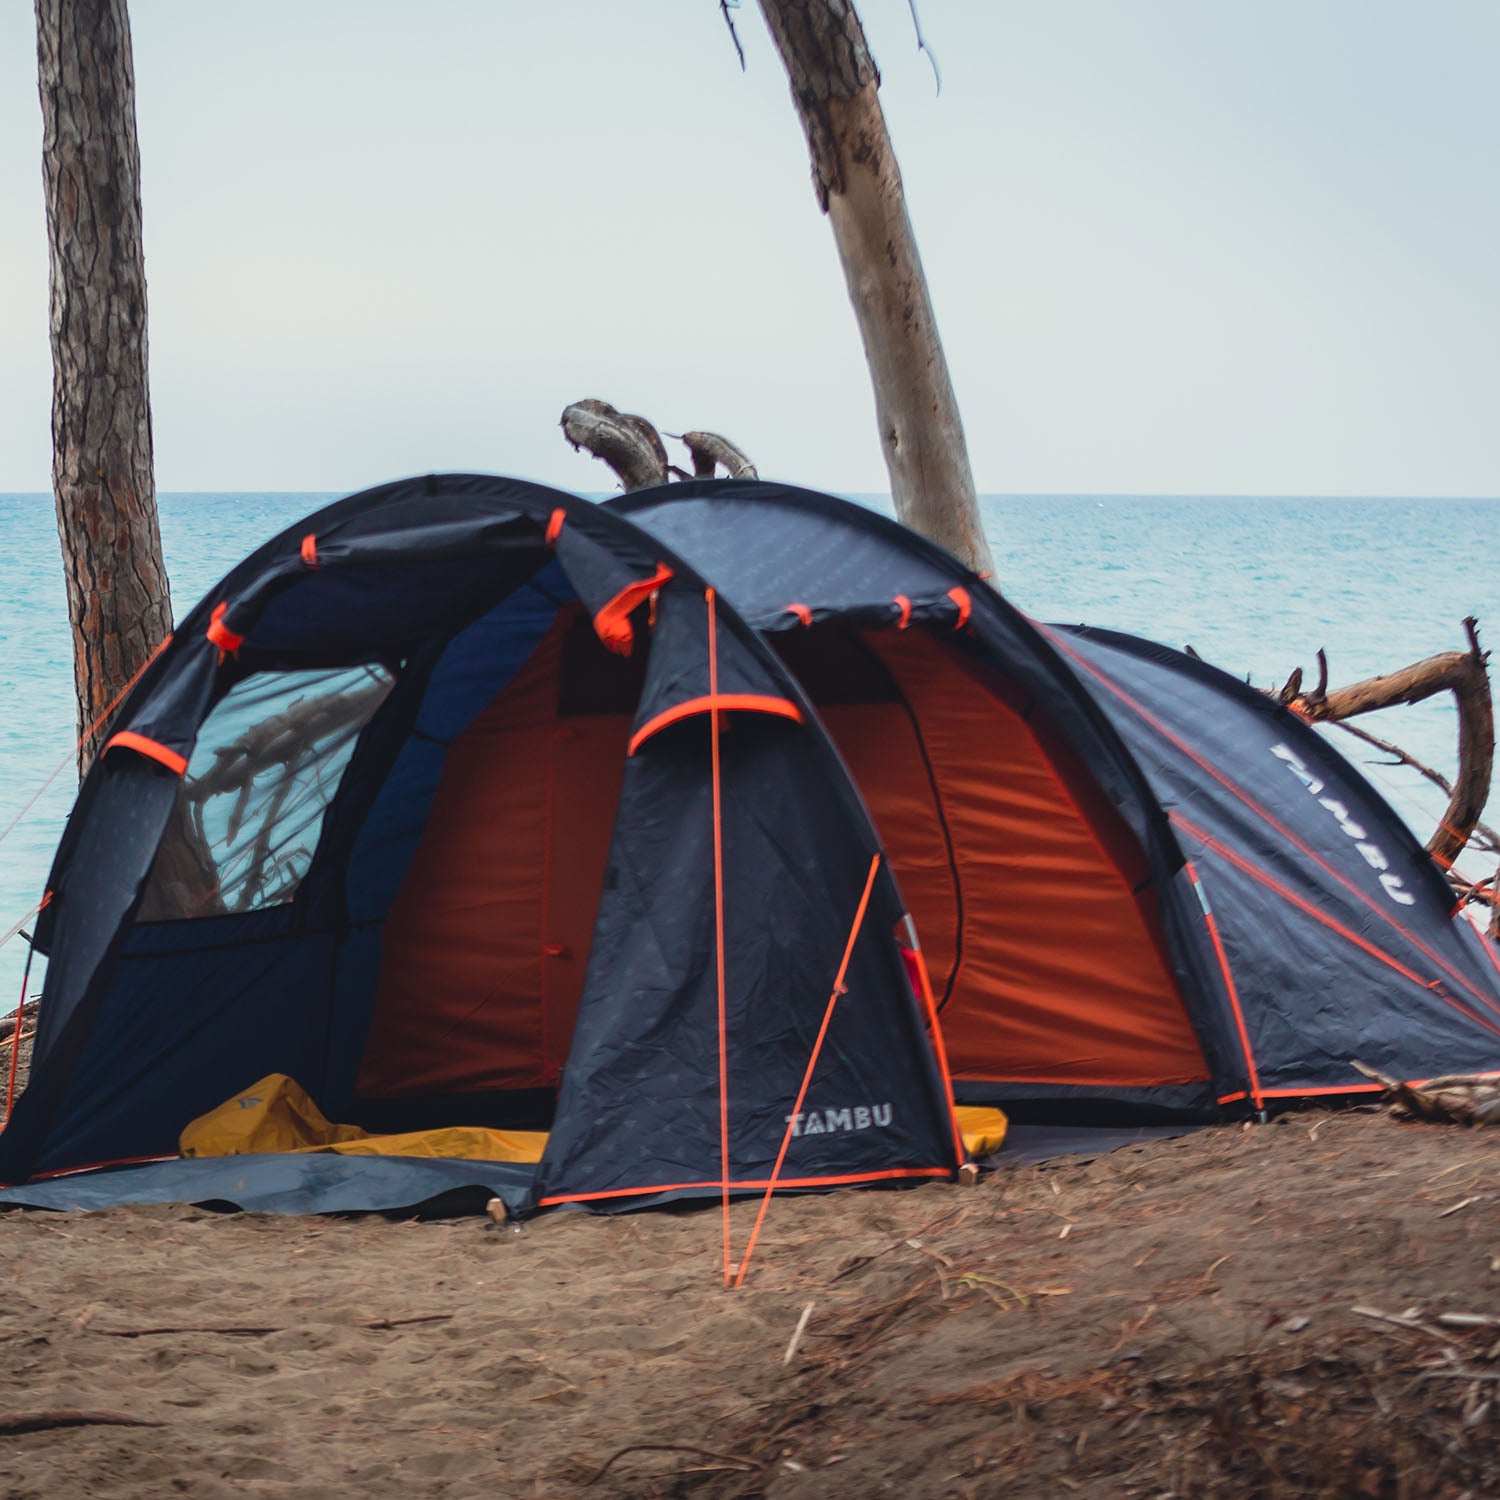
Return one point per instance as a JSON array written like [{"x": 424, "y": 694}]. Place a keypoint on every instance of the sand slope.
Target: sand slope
[{"x": 1130, "y": 1325}]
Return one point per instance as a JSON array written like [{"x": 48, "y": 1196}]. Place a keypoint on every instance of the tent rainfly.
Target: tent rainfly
[{"x": 470, "y": 805}]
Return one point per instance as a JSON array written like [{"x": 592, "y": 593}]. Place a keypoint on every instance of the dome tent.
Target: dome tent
[
  {"x": 1144, "y": 889},
  {"x": 467, "y": 802}
]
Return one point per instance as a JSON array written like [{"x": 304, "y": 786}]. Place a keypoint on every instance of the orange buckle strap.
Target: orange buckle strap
[
  {"x": 555, "y": 525},
  {"x": 612, "y": 623},
  {"x": 310, "y": 551},
  {"x": 801, "y": 611},
  {"x": 965, "y": 606},
  {"x": 904, "y": 604},
  {"x": 221, "y": 635}
]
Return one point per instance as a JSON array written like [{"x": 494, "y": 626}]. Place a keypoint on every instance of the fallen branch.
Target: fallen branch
[
  {"x": 256, "y": 1331},
  {"x": 801, "y": 1328},
  {"x": 710, "y": 451},
  {"x": 1462, "y": 673},
  {"x": 68, "y": 1416},
  {"x": 141, "y": 1333},
  {"x": 746, "y": 1465},
  {"x": 630, "y": 445},
  {"x": 381, "y": 1323},
  {"x": 1459, "y": 1099}
]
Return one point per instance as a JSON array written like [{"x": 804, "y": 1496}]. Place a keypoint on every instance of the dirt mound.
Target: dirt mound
[{"x": 1172, "y": 1319}]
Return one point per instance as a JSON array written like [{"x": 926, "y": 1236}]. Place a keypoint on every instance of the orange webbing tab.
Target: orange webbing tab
[
  {"x": 754, "y": 703},
  {"x": 221, "y": 635},
  {"x": 612, "y": 623},
  {"x": 555, "y": 525},
  {"x": 801, "y": 611},
  {"x": 965, "y": 605},
  {"x": 904, "y": 604},
  {"x": 128, "y": 740},
  {"x": 310, "y": 550}
]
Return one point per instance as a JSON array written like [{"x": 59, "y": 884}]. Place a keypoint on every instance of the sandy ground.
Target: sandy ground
[{"x": 1168, "y": 1320}]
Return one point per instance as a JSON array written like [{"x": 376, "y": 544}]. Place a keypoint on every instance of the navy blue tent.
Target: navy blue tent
[
  {"x": 468, "y": 802},
  {"x": 1143, "y": 887}
]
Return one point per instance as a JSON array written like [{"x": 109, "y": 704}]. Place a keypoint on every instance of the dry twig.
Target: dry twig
[{"x": 46, "y": 1418}]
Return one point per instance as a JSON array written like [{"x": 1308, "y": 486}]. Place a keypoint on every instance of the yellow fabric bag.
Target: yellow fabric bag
[
  {"x": 276, "y": 1114},
  {"x": 982, "y": 1128}
]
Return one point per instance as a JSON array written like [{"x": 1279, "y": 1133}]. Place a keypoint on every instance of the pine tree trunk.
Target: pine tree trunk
[
  {"x": 118, "y": 601},
  {"x": 835, "y": 86}
]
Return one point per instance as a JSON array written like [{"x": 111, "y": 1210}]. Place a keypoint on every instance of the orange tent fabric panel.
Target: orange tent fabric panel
[
  {"x": 1055, "y": 969},
  {"x": 488, "y": 938}
]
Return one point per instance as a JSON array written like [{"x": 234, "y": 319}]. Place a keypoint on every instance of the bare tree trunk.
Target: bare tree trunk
[
  {"x": 835, "y": 86},
  {"x": 118, "y": 601}
]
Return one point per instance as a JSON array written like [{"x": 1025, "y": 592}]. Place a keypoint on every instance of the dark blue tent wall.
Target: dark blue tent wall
[
  {"x": 447, "y": 582},
  {"x": 1339, "y": 930},
  {"x": 1305, "y": 924}
]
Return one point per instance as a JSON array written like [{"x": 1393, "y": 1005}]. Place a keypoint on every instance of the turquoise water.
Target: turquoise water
[{"x": 1255, "y": 585}]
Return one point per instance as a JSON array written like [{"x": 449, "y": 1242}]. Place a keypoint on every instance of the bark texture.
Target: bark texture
[
  {"x": 118, "y": 601},
  {"x": 710, "y": 452},
  {"x": 835, "y": 86},
  {"x": 629, "y": 444}
]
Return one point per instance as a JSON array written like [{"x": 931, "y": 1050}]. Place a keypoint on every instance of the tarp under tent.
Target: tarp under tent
[
  {"x": 1144, "y": 889},
  {"x": 467, "y": 803}
]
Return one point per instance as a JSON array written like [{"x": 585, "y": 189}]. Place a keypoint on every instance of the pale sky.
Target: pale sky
[{"x": 1175, "y": 246}]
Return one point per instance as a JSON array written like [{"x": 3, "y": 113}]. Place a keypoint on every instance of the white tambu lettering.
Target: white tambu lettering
[
  {"x": 1371, "y": 852},
  {"x": 846, "y": 1117},
  {"x": 1298, "y": 767},
  {"x": 1341, "y": 812}
]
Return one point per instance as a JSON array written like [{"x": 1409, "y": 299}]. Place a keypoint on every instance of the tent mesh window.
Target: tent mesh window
[{"x": 266, "y": 765}]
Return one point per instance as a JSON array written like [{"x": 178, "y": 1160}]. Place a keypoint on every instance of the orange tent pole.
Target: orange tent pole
[{"x": 812, "y": 1062}]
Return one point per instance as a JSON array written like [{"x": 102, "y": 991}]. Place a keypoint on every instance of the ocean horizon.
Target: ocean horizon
[{"x": 1255, "y": 584}]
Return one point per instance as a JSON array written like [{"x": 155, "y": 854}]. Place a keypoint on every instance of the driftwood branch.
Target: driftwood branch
[
  {"x": 1484, "y": 837},
  {"x": 630, "y": 445},
  {"x": 1462, "y": 673},
  {"x": 734, "y": 1460},
  {"x": 711, "y": 451},
  {"x": 1459, "y": 1099},
  {"x": 633, "y": 448}
]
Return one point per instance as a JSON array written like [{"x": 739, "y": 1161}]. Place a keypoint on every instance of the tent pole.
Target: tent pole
[
  {"x": 812, "y": 1062},
  {"x": 713, "y": 721}
]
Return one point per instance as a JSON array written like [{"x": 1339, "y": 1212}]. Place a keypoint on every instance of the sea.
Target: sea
[{"x": 1254, "y": 584}]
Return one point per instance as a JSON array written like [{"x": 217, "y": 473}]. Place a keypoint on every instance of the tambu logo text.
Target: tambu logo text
[
  {"x": 826, "y": 1121},
  {"x": 1371, "y": 852}
]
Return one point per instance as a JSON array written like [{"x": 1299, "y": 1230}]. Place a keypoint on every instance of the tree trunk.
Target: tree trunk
[
  {"x": 118, "y": 601},
  {"x": 835, "y": 87}
]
